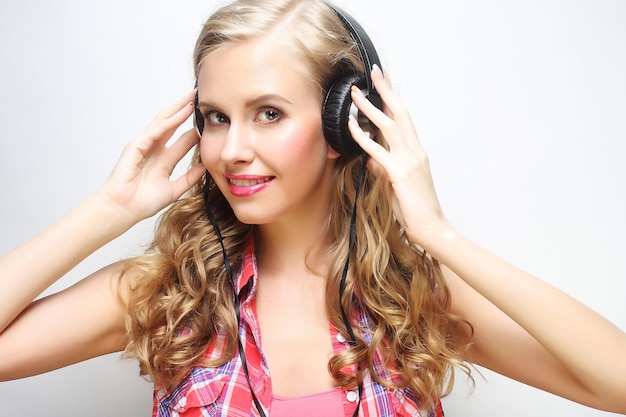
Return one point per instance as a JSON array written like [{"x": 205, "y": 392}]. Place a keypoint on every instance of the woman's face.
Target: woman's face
[{"x": 262, "y": 140}]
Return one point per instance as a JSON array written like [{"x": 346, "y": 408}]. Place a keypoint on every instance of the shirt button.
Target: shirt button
[
  {"x": 352, "y": 396},
  {"x": 341, "y": 338}
]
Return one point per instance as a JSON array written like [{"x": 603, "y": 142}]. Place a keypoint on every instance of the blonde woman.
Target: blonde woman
[{"x": 275, "y": 327}]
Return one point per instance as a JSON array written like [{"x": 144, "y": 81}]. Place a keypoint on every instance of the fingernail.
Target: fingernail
[
  {"x": 357, "y": 91},
  {"x": 376, "y": 70}
]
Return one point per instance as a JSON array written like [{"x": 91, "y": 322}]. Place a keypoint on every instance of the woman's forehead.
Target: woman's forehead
[{"x": 254, "y": 65}]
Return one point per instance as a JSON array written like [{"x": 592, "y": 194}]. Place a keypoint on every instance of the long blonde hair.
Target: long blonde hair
[{"x": 183, "y": 297}]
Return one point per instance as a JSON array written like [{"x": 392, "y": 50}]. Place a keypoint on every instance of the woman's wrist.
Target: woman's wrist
[
  {"x": 435, "y": 238},
  {"x": 103, "y": 217}
]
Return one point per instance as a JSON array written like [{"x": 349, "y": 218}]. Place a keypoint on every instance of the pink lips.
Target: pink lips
[{"x": 247, "y": 185}]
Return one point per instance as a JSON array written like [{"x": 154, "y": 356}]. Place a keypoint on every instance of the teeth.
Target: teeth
[{"x": 248, "y": 183}]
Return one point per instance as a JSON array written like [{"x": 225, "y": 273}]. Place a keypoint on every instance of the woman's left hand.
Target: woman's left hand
[{"x": 405, "y": 165}]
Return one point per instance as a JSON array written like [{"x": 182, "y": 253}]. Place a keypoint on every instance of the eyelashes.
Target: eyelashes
[
  {"x": 264, "y": 115},
  {"x": 268, "y": 115},
  {"x": 215, "y": 118}
]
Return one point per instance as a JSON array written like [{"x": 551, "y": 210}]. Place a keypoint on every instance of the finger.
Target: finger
[
  {"x": 163, "y": 127},
  {"x": 188, "y": 179},
  {"x": 398, "y": 111},
  {"x": 188, "y": 98},
  {"x": 383, "y": 87},
  {"x": 395, "y": 123},
  {"x": 394, "y": 135},
  {"x": 181, "y": 146},
  {"x": 376, "y": 151},
  {"x": 374, "y": 114},
  {"x": 175, "y": 115}
]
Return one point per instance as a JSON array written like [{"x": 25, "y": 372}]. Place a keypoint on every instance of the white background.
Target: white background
[{"x": 521, "y": 106}]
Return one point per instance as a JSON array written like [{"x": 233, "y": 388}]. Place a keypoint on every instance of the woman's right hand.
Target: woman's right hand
[
  {"x": 87, "y": 319},
  {"x": 138, "y": 188},
  {"x": 140, "y": 185}
]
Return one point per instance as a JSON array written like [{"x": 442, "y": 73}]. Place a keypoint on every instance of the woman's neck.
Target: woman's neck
[{"x": 290, "y": 251}]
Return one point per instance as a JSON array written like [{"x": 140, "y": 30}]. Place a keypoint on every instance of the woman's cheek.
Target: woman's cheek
[
  {"x": 209, "y": 154},
  {"x": 301, "y": 141}
]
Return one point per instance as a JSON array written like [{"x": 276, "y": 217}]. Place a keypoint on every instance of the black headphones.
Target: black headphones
[{"x": 338, "y": 102}]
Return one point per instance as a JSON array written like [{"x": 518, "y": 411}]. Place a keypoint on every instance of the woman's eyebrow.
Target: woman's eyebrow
[
  {"x": 207, "y": 104},
  {"x": 250, "y": 103},
  {"x": 267, "y": 97}
]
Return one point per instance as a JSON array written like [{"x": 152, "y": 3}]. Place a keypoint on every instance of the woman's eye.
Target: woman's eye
[
  {"x": 268, "y": 115},
  {"x": 216, "y": 118}
]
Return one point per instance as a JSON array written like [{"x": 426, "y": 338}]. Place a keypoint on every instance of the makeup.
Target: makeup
[{"x": 247, "y": 185}]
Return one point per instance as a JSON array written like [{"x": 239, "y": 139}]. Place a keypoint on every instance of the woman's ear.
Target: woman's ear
[{"x": 332, "y": 153}]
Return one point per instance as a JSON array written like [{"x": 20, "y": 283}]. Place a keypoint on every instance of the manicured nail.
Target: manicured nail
[
  {"x": 376, "y": 70},
  {"x": 357, "y": 91}
]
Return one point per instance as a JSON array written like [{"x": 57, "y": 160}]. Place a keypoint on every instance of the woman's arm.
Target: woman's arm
[
  {"x": 31, "y": 268},
  {"x": 78, "y": 323},
  {"x": 532, "y": 332},
  {"x": 567, "y": 348},
  {"x": 138, "y": 187}
]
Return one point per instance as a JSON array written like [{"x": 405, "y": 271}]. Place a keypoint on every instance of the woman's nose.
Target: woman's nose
[{"x": 238, "y": 144}]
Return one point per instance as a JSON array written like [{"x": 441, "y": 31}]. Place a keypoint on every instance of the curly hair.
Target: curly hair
[
  {"x": 182, "y": 298},
  {"x": 401, "y": 290}
]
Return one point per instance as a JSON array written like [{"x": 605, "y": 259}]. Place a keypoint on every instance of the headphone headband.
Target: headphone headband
[{"x": 367, "y": 51}]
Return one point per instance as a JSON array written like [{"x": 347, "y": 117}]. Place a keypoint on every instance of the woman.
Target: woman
[{"x": 282, "y": 197}]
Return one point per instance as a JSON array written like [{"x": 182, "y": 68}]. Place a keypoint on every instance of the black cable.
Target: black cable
[
  {"x": 344, "y": 274},
  {"x": 236, "y": 301},
  {"x": 342, "y": 283}
]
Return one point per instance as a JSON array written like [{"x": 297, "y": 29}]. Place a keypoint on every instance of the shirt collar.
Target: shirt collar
[{"x": 248, "y": 271}]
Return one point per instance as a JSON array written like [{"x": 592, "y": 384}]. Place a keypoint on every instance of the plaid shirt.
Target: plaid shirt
[{"x": 223, "y": 391}]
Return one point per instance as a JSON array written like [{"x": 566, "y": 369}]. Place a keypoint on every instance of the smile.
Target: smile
[
  {"x": 247, "y": 186},
  {"x": 249, "y": 183}
]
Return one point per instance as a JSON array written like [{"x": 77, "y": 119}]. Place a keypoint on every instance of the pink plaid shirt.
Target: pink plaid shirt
[{"x": 223, "y": 391}]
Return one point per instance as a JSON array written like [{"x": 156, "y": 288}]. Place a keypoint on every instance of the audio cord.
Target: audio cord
[{"x": 342, "y": 284}]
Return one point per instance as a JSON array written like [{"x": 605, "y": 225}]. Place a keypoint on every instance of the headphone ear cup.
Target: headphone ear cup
[
  {"x": 336, "y": 112},
  {"x": 198, "y": 118}
]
